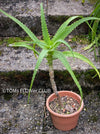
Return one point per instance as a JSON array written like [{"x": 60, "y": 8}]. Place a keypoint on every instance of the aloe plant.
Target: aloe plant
[{"x": 49, "y": 48}]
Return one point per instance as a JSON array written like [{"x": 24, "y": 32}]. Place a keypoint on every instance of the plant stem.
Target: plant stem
[{"x": 53, "y": 84}]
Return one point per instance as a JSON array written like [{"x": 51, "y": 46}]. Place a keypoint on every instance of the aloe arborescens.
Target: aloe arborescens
[{"x": 49, "y": 48}]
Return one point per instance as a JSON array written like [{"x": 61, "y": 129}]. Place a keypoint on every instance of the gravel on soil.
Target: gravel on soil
[{"x": 70, "y": 105}]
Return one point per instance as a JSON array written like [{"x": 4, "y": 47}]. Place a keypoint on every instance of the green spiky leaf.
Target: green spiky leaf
[
  {"x": 71, "y": 27},
  {"x": 40, "y": 58},
  {"x": 24, "y": 44},
  {"x": 81, "y": 57},
  {"x": 56, "y": 44},
  {"x": 62, "y": 28},
  {"x": 64, "y": 61},
  {"x": 45, "y": 33}
]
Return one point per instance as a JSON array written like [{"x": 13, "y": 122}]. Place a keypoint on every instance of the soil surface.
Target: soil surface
[{"x": 70, "y": 105}]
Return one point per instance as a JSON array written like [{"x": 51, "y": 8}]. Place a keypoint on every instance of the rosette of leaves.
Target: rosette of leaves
[{"x": 49, "y": 48}]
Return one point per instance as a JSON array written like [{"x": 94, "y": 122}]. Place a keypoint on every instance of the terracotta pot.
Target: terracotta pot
[{"x": 65, "y": 122}]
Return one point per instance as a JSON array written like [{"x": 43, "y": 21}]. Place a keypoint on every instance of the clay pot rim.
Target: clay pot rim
[{"x": 60, "y": 115}]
